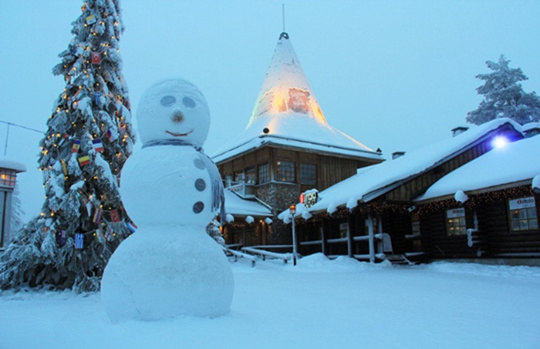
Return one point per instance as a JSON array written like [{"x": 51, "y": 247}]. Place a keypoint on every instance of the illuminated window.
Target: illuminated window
[
  {"x": 285, "y": 171},
  {"x": 307, "y": 174},
  {"x": 7, "y": 177},
  {"x": 264, "y": 174},
  {"x": 455, "y": 222},
  {"x": 523, "y": 214}
]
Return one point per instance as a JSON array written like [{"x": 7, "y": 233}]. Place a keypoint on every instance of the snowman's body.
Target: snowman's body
[{"x": 170, "y": 266}]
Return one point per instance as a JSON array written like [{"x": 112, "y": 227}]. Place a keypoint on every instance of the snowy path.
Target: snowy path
[{"x": 318, "y": 304}]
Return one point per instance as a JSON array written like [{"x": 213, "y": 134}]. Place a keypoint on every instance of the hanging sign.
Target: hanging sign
[
  {"x": 522, "y": 203},
  {"x": 455, "y": 213},
  {"x": 309, "y": 198}
]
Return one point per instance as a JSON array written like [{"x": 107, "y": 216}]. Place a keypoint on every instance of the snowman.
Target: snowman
[{"x": 171, "y": 190}]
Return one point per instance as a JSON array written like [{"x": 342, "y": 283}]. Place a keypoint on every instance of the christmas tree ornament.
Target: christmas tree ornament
[
  {"x": 76, "y": 146},
  {"x": 84, "y": 160},
  {"x": 96, "y": 57},
  {"x": 98, "y": 145},
  {"x": 91, "y": 19},
  {"x": 97, "y": 98},
  {"x": 79, "y": 241},
  {"x": 115, "y": 216},
  {"x": 97, "y": 215},
  {"x": 61, "y": 237}
]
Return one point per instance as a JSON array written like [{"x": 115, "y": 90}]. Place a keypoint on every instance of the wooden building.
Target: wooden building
[
  {"x": 373, "y": 215},
  {"x": 8, "y": 178},
  {"x": 288, "y": 146},
  {"x": 488, "y": 208}
]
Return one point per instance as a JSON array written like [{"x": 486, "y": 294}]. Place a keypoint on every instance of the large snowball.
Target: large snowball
[
  {"x": 167, "y": 184},
  {"x": 165, "y": 273},
  {"x": 173, "y": 109}
]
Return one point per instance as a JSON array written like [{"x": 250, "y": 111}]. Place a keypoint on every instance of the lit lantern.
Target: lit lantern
[{"x": 8, "y": 178}]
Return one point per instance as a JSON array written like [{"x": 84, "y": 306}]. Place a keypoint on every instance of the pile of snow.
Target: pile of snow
[{"x": 320, "y": 303}]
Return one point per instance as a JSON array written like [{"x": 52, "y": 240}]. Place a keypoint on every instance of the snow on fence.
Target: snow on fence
[
  {"x": 267, "y": 254},
  {"x": 238, "y": 254}
]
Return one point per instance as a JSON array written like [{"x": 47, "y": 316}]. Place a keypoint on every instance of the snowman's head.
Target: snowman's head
[{"x": 173, "y": 109}]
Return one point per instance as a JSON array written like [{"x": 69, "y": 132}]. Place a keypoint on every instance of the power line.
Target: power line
[
  {"x": 21, "y": 126},
  {"x": 16, "y": 125}
]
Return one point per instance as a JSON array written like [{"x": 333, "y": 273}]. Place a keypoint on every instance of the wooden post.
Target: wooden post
[
  {"x": 369, "y": 223},
  {"x": 324, "y": 237},
  {"x": 350, "y": 233}
]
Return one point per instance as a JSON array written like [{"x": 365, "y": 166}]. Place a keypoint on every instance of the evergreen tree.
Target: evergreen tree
[
  {"x": 504, "y": 96},
  {"x": 89, "y": 138},
  {"x": 17, "y": 213}
]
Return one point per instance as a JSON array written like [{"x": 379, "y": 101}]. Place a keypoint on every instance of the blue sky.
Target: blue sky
[{"x": 395, "y": 75}]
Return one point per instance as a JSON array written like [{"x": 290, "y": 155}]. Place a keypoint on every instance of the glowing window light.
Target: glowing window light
[{"x": 499, "y": 142}]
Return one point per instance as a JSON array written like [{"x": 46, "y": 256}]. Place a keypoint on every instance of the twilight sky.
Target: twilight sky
[{"x": 395, "y": 75}]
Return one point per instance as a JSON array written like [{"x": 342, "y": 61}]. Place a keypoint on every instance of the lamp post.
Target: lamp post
[{"x": 292, "y": 210}]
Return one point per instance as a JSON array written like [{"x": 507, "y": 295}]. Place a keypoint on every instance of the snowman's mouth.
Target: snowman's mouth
[{"x": 178, "y": 134}]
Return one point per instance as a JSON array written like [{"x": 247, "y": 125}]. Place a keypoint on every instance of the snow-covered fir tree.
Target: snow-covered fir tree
[
  {"x": 88, "y": 139},
  {"x": 504, "y": 96},
  {"x": 17, "y": 213}
]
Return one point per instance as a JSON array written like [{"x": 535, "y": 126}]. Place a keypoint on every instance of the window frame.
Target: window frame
[
  {"x": 285, "y": 171},
  {"x": 459, "y": 214},
  {"x": 522, "y": 210}
]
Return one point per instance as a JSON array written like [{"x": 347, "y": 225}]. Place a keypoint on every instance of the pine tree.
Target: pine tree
[
  {"x": 17, "y": 212},
  {"x": 88, "y": 139},
  {"x": 504, "y": 96}
]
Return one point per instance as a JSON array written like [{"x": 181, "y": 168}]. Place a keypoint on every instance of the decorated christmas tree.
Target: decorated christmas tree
[{"x": 88, "y": 139}]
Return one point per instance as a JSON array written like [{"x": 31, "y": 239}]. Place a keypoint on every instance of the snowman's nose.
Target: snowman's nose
[{"x": 177, "y": 117}]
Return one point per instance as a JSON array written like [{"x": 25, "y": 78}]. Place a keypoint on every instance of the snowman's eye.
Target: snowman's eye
[
  {"x": 167, "y": 101},
  {"x": 188, "y": 102}
]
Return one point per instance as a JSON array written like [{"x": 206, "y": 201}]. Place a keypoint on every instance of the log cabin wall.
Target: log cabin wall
[{"x": 494, "y": 226}]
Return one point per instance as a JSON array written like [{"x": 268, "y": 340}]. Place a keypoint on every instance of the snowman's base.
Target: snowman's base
[{"x": 165, "y": 272}]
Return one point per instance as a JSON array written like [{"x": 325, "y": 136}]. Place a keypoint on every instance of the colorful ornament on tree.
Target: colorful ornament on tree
[
  {"x": 112, "y": 135},
  {"x": 91, "y": 19},
  {"x": 115, "y": 216},
  {"x": 97, "y": 216},
  {"x": 131, "y": 226},
  {"x": 79, "y": 241},
  {"x": 97, "y": 98},
  {"x": 76, "y": 146},
  {"x": 98, "y": 145},
  {"x": 96, "y": 57},
  {"x": 61, "y": 237},
  {"x": 84, "y": 160},
  {"x": 64, "y": 167}
]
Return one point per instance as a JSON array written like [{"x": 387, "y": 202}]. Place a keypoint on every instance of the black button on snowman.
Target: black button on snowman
[{"x": 171, "y": 190}]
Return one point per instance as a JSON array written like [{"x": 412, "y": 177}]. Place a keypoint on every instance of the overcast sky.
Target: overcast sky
[{"x": 395, "y": 75}]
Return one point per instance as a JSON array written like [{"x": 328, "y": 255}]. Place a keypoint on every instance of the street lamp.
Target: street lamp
[{"x": 292, "y": 210}]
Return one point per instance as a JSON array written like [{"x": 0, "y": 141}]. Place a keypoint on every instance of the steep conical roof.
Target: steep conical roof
[
  {"x": 285, "y": 90},
  {"x": 287, "y": 113}
]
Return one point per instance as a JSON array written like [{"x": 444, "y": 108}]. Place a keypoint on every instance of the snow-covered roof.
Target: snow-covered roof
[
  {"x": 236, "y": 206},
  {"x": 287, "y": 113},
  {"x": 375, "y": 180},
  {"x": 517, "y": 161},
  {"x": 12, "y": 164}
]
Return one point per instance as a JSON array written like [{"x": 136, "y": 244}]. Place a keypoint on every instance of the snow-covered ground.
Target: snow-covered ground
[{"x": 317, "y": 304}]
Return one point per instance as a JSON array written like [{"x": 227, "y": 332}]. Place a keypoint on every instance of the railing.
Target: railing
[{"x": 243, "y": 189}]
